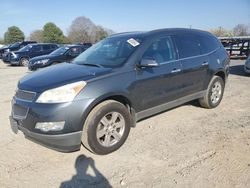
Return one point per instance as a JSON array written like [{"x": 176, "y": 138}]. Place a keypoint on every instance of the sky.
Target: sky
[{"x": 125, "y": 15}]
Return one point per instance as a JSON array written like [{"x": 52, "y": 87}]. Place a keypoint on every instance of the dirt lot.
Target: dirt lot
[{"x": 184, "y": 147}]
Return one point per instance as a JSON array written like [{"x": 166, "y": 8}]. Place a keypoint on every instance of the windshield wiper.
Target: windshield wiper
[{"x": 90, "y": 64}]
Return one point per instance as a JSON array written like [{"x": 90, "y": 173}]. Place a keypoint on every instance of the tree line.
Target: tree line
[
  {"x": 81, "y": 30},
  {"x": 238, "y": 30}
]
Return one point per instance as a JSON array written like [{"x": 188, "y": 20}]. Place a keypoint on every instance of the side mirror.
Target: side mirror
[{"x": 148, "y": 62}]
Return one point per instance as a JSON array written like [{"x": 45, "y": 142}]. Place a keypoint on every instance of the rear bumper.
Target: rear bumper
[{"x": 68, "y": 142}]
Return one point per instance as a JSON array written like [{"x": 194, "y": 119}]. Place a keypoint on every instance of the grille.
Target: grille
[
  {"x": 20, "y": 112},
  {"x": 25, "y": 95}
]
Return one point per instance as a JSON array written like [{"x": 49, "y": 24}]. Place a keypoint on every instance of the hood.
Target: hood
[
  {"x": 19, "y": 52},
  {"x": 38, "y": 58},
  {"x": 59, "y": 75}
]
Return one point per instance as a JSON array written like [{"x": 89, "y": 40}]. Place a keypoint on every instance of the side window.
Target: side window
[
  {"x": 188, "y": 45},
  {"x": 160, "y": 50},
  {"x": 208, "y": 43},
  {"x": 37, "y": 48},
  {"x": 46, "y": 47},
  {"x": 75, "y": 51},
  {"x": 53, "y": 47}
]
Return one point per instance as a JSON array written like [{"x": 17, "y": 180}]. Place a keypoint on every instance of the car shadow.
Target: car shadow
[
  {"x": 82, "y": 178},
  {"x": 238, "y": 70}
]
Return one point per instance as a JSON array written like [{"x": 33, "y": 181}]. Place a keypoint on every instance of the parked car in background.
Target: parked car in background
[
  {"x": 63, "y": 54},
  {"x": 14, "y": 47},
  {"x": 22, "y": 56},
  {"x": 122, "y": 79},
  {"x": 2, "y": 49},
  {"x": 247, "y": 65},
  {"x": 86, "y": 44}
]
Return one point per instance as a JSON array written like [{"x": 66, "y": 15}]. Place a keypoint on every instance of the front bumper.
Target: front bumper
[
  {"x": 14, "y": 61},
  {"x": 33, "y": 66},
  {"x": 26, "y": 114},
  {"x": 63, "y": 142}
]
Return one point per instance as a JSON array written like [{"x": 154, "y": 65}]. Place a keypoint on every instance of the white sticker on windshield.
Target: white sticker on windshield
[{"x": 133, "y": 42}]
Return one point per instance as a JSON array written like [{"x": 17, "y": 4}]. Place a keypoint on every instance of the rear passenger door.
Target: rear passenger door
[
  {"x": 36, "y": 51},
  {"x": 194, "y": 64},
  {"x": 46, "y": 49},
  {"x": 161, "y": 84}
]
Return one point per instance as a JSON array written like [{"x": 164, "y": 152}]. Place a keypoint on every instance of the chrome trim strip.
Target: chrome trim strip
[
  {"x": 168, "y": 105},
  {"x": 172, "y": 61}
]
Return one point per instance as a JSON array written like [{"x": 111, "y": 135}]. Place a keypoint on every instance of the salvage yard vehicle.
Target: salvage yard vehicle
[
  {"x": 247, "y": 65},
  {"x": 237, "y": 47},
  {"x": 62, "y": 54},
  {"x": 120, "y": 80},
  {"x": 22, "y": 56},
  {"x": 14, "y": 47}
]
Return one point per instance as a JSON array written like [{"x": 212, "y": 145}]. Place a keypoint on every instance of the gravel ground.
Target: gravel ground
[{"x": 187, "y": 146}]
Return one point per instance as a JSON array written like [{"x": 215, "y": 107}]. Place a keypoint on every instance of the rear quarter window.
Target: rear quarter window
[
  {"x": 187, "y": 45},
  {"x": 46, "y": 47},
  {"x": 208, "y": 43}
]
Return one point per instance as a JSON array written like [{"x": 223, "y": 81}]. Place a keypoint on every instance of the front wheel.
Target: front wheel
[
  {"x": 106, "y": 127},
  {"x": 214, "y": 93},
  {"x": 24, "y": 62}
]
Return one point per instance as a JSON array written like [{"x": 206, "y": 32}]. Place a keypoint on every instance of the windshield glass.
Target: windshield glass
[
  {"x": 25, "y": 48},
  {"x": 110, "y": 52},
  {"x": 15, "y": 44},
  {"x": 60, "y": 51}
]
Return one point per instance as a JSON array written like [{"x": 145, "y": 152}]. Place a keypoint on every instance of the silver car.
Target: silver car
[{"x": 247, "y": 65}]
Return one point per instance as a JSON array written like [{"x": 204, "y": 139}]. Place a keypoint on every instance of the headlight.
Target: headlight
[
  {"x": 14, "y": 55},
  {"x": 61, "y": 94},
  {"x": 44, "y": 61}
]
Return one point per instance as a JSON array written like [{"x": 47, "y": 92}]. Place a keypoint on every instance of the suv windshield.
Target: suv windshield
[
  {"x": 25, "y": 48},
  {"x": 15, "y": 44},
  {"x": 110, "y": 52},
  {"x": 60, "y": 51}
]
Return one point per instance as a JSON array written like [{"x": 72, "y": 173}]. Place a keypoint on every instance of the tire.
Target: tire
[
  {"x": 102, "y": 134},
  {"x": 24, "y": 61},
  {"x": 214, "y": 93}
]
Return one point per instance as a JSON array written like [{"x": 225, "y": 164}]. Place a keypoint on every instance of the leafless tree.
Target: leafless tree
[
  {"x": 36, "y": 35},
  {"x": 82, "y": 30},
  {"x": 240, "y": 30},
  {"x": 221, "y": 32}
]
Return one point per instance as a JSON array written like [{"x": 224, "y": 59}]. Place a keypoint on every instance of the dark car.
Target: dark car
[
  {"x": 22, "y": 56},
  {"x": 14, "y": 47},
  {"x": 247, "y": 65},
  {"x": 122, "y": 79},
  {"x": 62, "y": 54}
]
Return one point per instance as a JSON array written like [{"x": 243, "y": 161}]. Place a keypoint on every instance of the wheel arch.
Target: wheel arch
[
  {"x": 221, "y": 74},
  {"x": 21, "y": 57},
  {"x": 119, "y": 97}
]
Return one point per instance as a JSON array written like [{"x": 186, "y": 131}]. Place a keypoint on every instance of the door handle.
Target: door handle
[
  {"x": 204, "y": 64},
  {"x": 176, "y": 70}
]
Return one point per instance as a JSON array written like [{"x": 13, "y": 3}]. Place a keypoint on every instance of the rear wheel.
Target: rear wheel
[
  {"x": 24, "y": 62},
  {"x": 106, "y": 127},
  {"x": 214, "y": 93}
]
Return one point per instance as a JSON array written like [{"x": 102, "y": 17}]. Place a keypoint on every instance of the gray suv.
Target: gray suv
[{"x": 122, "y": 79}]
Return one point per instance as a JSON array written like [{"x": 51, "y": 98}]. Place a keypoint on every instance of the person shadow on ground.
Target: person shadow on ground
[{"x": 82, "y": 178}]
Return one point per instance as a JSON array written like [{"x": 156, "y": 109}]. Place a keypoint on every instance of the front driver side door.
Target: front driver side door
[{"x": 160, "y": 84}]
